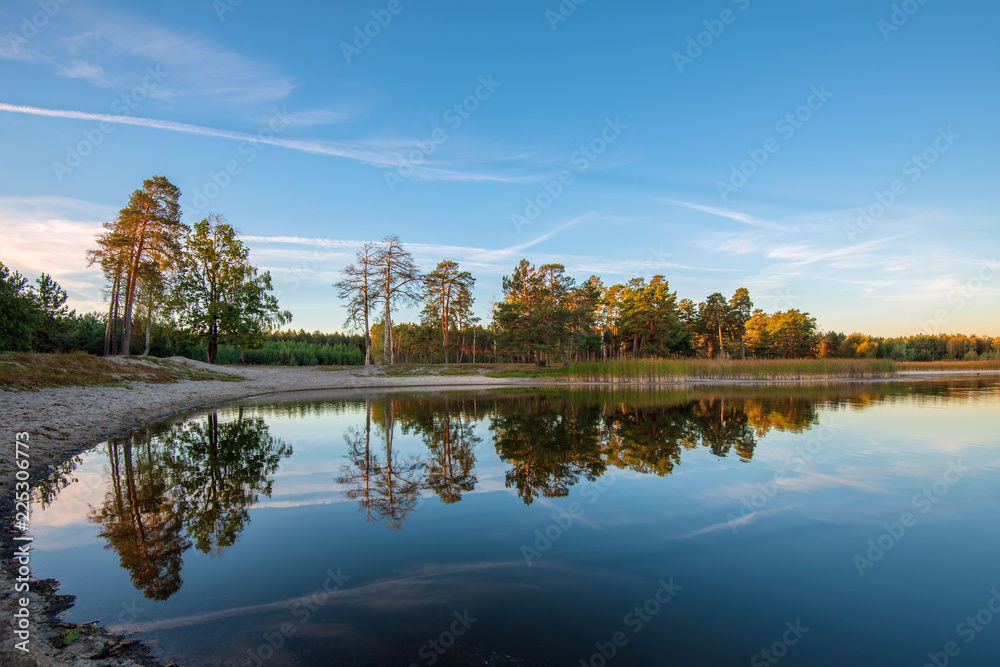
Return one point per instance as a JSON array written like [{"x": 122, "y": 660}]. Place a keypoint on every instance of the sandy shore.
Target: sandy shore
[{"x": 67, "y": 420}]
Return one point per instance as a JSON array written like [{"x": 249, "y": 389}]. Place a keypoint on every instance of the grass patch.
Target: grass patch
[
  {"x": 404, "y": 370},
  {"x": 31, "y": 371},
  {"x": 432, "y": 370},
  {"x": 524, "y": 371},
  {"x": 458, "y": 371},
  {"x": 334, "y": 369},
  {"x": 989, "y": 365}
]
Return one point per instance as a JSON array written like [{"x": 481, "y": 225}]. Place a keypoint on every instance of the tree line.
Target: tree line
[
  {"x": 546, "y": 316},
  {"x": 192, "y": 291}
]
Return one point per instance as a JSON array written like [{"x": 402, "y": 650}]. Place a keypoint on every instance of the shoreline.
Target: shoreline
[{"x": 64, "y": 422}]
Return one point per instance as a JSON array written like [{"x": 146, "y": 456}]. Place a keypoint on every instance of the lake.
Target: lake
[{"x": 845, "y": 524}]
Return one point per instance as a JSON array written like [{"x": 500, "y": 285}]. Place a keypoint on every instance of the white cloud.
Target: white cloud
[
  {"x": 104, "y": 46},
  {"x": 51, "y": 235}
]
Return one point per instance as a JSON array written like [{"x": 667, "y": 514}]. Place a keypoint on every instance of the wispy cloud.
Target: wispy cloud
[
  {"x": 316, "y": 117},
  {"x": 346, "y": 150},
  {"x": 726, "y": 213},
  {"x": 483, "y": 257},
  {"x": 305, "y": 146},
  {"x": 103, "y": 47}
]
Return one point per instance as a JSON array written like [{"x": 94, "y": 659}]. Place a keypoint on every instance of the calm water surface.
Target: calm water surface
[{"x": 844, "y": 525}]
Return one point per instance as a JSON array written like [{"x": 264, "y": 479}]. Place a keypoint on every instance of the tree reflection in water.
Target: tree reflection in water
[
  {"x": 192, "y": 484},
  {"x": 551, "y": 440},
  {"x": 386, "y": 487},
  {"x": 173, "y": 483}
]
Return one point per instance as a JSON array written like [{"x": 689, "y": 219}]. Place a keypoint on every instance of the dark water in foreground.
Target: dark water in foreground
[{"x": 845, "y": 525}]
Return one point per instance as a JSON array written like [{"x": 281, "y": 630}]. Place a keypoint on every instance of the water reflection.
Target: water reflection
[
  {"x": 386, "y": 485},
  {"x": 427, "y": 501},
  {"x": 178, "y": 485},
  {"x": 171, "y": 484}
]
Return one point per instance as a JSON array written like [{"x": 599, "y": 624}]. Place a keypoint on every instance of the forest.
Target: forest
[{"x": 172, "y": 289}]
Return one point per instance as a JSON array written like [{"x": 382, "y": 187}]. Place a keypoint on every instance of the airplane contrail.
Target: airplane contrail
[
  {"x": 315, "y": 147},
  {"x": 260, "y": 138}
]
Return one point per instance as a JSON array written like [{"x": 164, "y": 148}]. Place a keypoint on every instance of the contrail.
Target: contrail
[
  {"x": 726, "y": 213},
  {"x": 315, "y": 147},
  {"x": 304, "y": 146}
]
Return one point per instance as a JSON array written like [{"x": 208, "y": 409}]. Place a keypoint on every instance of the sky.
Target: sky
[{"x": 838, "y": 158}]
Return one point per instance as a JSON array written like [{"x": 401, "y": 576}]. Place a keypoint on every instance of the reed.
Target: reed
[
  {"x": 655, "y": 371},
  {"x": 988, "y": 365}
]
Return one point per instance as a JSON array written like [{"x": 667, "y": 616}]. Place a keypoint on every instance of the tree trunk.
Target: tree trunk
[
  {"x": 149, "y": 327},
  {"x": 367, "y": 308},
  {"x": 387, "y": 349},
  {"x": 111, "y": 326},
  {"x": 213, "y": 342},
  {"x": 131, "y": 284},
  {"x": 722, "y": 350},
  {"x": 368, "y": 339},
  {"x": 444, "y": 334}
]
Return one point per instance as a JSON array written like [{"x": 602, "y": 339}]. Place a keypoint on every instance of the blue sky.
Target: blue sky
[{"x": 721, "y": 143}]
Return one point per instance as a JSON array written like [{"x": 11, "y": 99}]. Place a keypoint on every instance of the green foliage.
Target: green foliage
[
  {"x": 292, "y": 353},
  {"x": 51, "y": 328},
  {"x": 789, "y": 334},
  {"x": 18, "y": 311},
  {"x": 544, "y": 313},
  {"x": 219, "y": 296}
]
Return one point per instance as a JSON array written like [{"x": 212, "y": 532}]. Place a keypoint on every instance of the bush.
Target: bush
[{"x": 18, "y": 313}]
